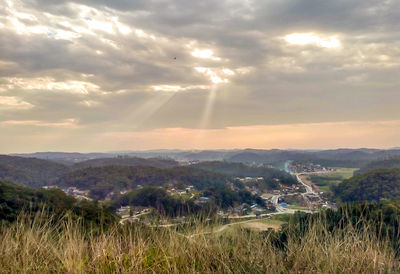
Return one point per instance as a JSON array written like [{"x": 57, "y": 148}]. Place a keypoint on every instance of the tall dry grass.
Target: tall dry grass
[{"x": 45, "y": 246}]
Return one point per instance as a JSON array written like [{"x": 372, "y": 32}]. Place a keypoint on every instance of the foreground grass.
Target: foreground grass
[{"x": 40, "y": 246}]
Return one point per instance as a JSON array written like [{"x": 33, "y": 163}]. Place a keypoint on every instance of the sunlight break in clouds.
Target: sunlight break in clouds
[
  {"x": 47, "y": 83},
  {"x": 310, "y": 38},
  {"x": 176, "y": 88},
  {"x": 216, "y": 76},
  {"x": 205, "y": 54},
  {"x": 141, "y": 66}
]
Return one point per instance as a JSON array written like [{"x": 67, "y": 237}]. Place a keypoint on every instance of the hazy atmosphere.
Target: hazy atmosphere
[
  {"x": 178, "y": 136},
  {"x": 112, "y": 75}
]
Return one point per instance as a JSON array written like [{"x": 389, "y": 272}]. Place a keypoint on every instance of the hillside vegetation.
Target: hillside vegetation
[
  {"x": 46, "y": 231},
  {"x": 30, "y": 171},
  {"x": 220, "y": 197},
  {"x": 112, "y": 175},
  {"x": 103, "y": 180},
  {"x": 271, "y": 176},
  {"x": 303, "y": 246},
  {"x": 371, "y": 186},
  {"x": 15, "y": 199}
]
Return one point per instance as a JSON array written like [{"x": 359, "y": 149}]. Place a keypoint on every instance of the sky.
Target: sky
[{"x": 150, "y": 74}]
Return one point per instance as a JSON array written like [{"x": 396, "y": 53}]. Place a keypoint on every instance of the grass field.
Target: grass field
[
  {"x": 325, "y": 181},
  {"x": 260, "y": 224},
  {"x": 296, "y": 207},
  {"x": 267, "y": 195},
  {"x": 65, "y": 247},
  {"x": 264, "y": 224},
  {"x": 294, "y": 200}
]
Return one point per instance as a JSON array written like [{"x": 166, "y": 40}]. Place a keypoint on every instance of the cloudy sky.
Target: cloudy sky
[{"x": 146, "y": 74}]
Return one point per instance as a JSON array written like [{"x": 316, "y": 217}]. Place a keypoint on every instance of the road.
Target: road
[
  {"x": 308, "y": 188},
  {"x": 280, "y": 209},
  {"x": 275, "y": 201}
]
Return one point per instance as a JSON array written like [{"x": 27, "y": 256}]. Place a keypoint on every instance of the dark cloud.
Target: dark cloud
[{"x": 128, "y": 65}]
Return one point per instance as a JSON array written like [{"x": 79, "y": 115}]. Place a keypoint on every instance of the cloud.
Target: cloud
[
  {"x": 205, "y": 54},
  {"x": 310, "y": 38},
  {"x": 148, "y": 65},
  {"x": 68, "y": 123},
  {"x": 14, "y": 103}
]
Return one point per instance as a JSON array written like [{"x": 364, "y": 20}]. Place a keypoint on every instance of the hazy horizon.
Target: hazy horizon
[
  {"x": 150, "y": 74},
  {"x": 197, "y": 150}
]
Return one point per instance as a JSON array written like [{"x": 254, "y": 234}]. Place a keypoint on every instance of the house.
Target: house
[
  {"x": 109, "y": 196},
  {"x": 242, "y": 209},
  {"x": 49, "y": 187},
  {"x": 189, "y": 189},
  {"x": 202, "y": 200}
]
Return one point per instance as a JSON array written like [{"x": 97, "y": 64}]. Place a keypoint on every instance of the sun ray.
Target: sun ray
[
  {"x": 147, "y": 109},
  {"x": 205, "y": 118}
]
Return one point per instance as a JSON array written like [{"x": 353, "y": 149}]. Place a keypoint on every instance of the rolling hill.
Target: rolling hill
[
  {"x": 16, "y": 198},
  {"x": 371, "y": 186},
  {"x": 271, "y": 176},
  {"x": 103, "y": 180},
  {"x": 30, "y": 171}
]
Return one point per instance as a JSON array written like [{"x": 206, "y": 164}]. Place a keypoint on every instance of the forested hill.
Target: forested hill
[
  {"x": 35, "y": 172},
  {"x": 15, "y": 198},
  {"x": 103, "y": 180},
  {"x": 392, "y": 162},
  {"x": 333, "y": 158},
  {"x": 30, "y": 171},
  {"x": 371, "y": 186},
  {"x": 128, "y": 161},
  {"x": 242, "y": 170},
  {"x": 106, "y": 175}
]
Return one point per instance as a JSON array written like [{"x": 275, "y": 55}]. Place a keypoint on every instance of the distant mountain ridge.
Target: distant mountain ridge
[
  {"x": 64, "y": 157},
  {"x": 128, "y": 161},
  {"x": 334, "y": 157},
  {"x": 390, "y": 162}
]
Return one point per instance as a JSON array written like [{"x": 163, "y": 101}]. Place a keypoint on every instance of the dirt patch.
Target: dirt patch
[{"x": 261, "y": 226}]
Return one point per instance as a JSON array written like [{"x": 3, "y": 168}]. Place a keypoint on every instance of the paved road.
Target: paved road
[
  {"x": 308, "y": 187},
  {"x": 280, "y": 209}
]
